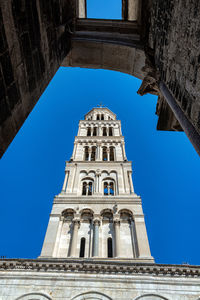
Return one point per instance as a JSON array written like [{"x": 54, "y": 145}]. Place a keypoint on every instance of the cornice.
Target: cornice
[{"x": 91, "y": 266}]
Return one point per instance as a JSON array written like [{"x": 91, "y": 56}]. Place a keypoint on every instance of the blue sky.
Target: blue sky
[{"x": 165, "y": 165}]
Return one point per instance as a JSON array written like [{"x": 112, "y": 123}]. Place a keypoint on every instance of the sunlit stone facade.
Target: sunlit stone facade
[
  {"x": 96, "y": 245},
  {"x": 97, "y": 214}
]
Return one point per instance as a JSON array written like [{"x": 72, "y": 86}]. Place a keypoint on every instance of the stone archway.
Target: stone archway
[
  {"x": 34, "y": 296},
  {"x": 151, "y": 297},
  {"x": 92, "y": 296}
]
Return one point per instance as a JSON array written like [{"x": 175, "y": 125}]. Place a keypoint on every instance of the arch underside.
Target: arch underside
[
  {"x": 103, "y": 55},
  {"x": 107, "y": 44}
]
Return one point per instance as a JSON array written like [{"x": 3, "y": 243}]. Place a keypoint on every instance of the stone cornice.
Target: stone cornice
[{"x": 92, "y": 266}]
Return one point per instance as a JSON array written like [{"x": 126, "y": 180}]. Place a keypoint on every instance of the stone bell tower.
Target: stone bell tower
[{"x": 97, "y": 214}]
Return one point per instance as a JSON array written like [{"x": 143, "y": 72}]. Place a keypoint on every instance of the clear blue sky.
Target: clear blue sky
[{"x": 165, "y": 165}]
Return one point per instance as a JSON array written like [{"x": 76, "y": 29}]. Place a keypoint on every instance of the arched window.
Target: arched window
[
  {"x": 110, "y": 131},
  {"x": 89, "y": 131},
  {"x": 90, "y": 189},
  {"x": 98, "y": 117},
  {"x": 112, "y": 157},
  {"x": 84, "y": 191},
  {"x": 82, "y": 248},
  {"x": 102, "y": 117},
  {"x": 109, "y": 247},
  {"x": 108, "y": 188},
  {"x": 93, "y": 154},
  {"x": 105, "y": 154},
  {"x": 86, "y": 153},
  {"x": 104, "y": 131},
  {"x": 87, "y": 189},
  {"x": 94, "y": 131},
  {"x": 105, "y": 188},
  {"x": 111, "y": 189}
]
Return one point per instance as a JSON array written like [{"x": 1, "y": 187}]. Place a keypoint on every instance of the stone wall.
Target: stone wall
[
  {"x": 96, "y": 279},
  {"x": 175, "y": 37},
  {"x": 34, "y": 39}
]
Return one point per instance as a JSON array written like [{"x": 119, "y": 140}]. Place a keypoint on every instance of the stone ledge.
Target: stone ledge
[{"x": 99, "y": 266}]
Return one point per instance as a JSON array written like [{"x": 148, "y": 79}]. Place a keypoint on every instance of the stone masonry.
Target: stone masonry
[
  {"x": 174, "y": 37},
  {"x": 34, "y": 39}
]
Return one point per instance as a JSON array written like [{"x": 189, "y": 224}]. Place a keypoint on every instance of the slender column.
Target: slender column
[
  {"x": 123, "y": 151},
  {"x": 76, "y": 224},
  {"x": 90, "y": 153},
  {"x": 100, "y": 131},
  {"x": 100, "y": 153},
  {"x": 108, "y": 154},
  {"x": 95, "y": 248},
  {"x": 117, "y": 237},
  {"x": 107, "y": 131},
  {"x": 131, "y": 182},
  {"x": 134, "y": 239},
  {"x": 98, "y": 158},
  {"x": 65, "y": 181},
  {"x": 187, "y": 126},
  {"x": 82, "y": 9}
]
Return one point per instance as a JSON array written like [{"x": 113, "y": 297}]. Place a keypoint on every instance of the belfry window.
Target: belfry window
[
  {"x": 104, "y": 131},
  {"x": 89, "y": 131},
  {"x": 90, "y": 189},
  {"x": 98, "y": 117},
  {"x": 105, "y": 188},
  {"x": 86, "y": 153},
  {"x": 102, "y": 117},
  {"x": 82, "y": 248},
  {"x": 105, "y": 154},
  {"x": 109, "y": 247},
  {"x": 87, "y": 189},
  {"x": 84, "y": 191},
  {"x": 93, "y": 154},
  {"x": 112, "y": 157},
  {"x": 108, "y": 188},
  {"x": 110, "y": 131},
  {"x": 94, "y": 131}
]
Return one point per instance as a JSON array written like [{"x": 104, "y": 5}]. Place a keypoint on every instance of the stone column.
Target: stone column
[
  {"x": 107, "y": 130},
  {"x": 76, "y": 224},
  {"x": 98, "y": 156},
  {"x": 117, "y": 236},
  {"x": 134, "y": 239},
  {"x": 90, "y": 152},
  {"x": 82, "y": 9},
  {"x": 100, "y": 131},
  {"x": 123, "y": 151},
  {"x": 131, "y": 182},
  {"x": 108, "y": 154},
  {"x": 65, "y": 181},
  {"x": 95, "y": 245}
]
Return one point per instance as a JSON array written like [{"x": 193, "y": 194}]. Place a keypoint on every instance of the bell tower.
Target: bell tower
[{"x": 97, "y": 214}]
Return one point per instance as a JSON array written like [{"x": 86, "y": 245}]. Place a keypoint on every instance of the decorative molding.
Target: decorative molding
[{"x": 98, "y": 266}]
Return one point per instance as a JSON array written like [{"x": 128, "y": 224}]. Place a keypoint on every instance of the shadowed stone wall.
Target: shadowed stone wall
[
  {"x": 34, "y": 39},
  {"x": 175, "y": 37}
]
